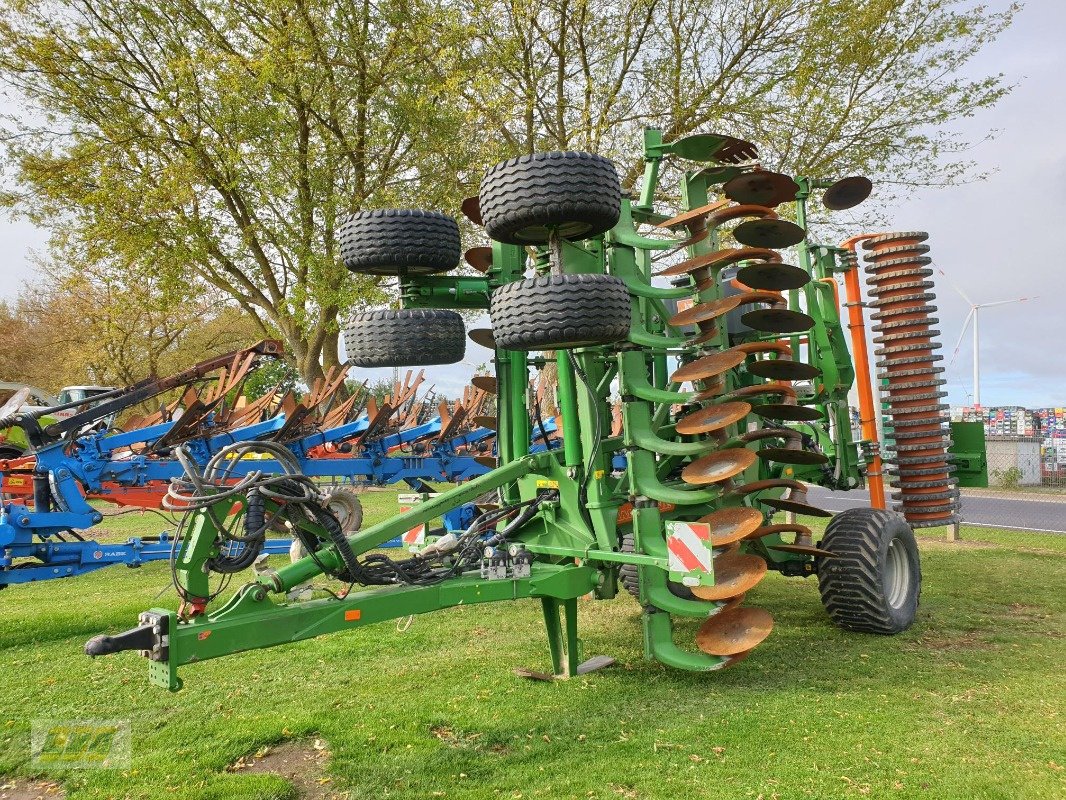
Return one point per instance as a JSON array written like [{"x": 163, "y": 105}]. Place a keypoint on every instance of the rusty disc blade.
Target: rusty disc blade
[
  {"x": 729, "y": 633},
  {"x": 708, "y": 366},
  {"x": 471, "y": 209},
  {"x": 795, "y": 507},
  {"x": 709, "y": 390},
  {"x": 486, "y": 461},
  {"x": 781, "y": 369},
  {"x": 847, "y": 193},
  {"x": 782, "y": 455},
  {"x": 773, "y": 276},
  {"x": 787, "y": 413},
  {"x": 705, "y": 312},
  {"x": 761, "y": 188},
  {"x": 712, "y": 418},
  {"x": 718, "y": 466},
  {"x": 730, "y": 525},
  {"x": 480, "y": 258},
  {"x": 802, "y": 549},
  {"x": 773, "y": 233},
  {"x": 486, "y": 383},
  {"x": 485, "y": 422},
  {"x": 732, "y": 602},
  {"x": 734, "y": 573},
  {"x": 483, "y": 337},
  {"x": 778, "y": 320},
  {"x": 734, "y": 660}
]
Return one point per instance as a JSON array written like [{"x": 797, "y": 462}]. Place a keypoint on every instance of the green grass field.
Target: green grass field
[{"x": 969, "y": 703}]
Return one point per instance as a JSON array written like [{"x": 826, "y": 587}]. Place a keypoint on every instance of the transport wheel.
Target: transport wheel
[
  {"x": 873, "y": 582},
  {"x": 551, "y": 312},
  {"x": 399, "y": 241},
  {"x": 343, "y": 503},
  {"x": 410, "y": 337},
  {"x": 575, "y": 195}
]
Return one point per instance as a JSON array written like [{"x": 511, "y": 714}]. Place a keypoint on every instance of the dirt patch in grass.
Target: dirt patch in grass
[
  {"x": 300, "y": 763},
  {"x": 971, "y": 640},
  {"x": 26, "y": 789}
]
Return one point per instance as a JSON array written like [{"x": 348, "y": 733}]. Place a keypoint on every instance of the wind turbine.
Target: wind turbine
[{"x": 975, "y": 315}]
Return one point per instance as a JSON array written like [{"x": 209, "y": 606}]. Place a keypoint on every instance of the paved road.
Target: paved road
[{"x": 1024, "y": 514}]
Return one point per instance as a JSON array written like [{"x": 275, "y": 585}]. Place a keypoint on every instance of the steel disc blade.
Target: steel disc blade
[
  {"x": 783, "y": 455},
  {"x": 847, "y": 193},
  {"x": 734, "y": 574},
  {"x": 480, "y": 258},
  {"x": 786, "y": 412},
  {"x": 780, "y": 369},
  {"x": 772, "y": 233},
  {"x": 778, "y": 320},
  {"x": 714, "y": 147},
  {"x": 471, "y": 209},
  {"x": 761, "y": 188},
  {"x": 732, "y": 632},
  {"x": 708, "y": 366},
  {"x": 712, "y": 418},
  {"x": 704, "y": 312},
  {"x": 487, "y": 383},
  {"x": 730, "y": 525},
  {"x": 485, "y": 422},
  {"x": 483, "y": 337},
  {"x": 718, "y": 466},
  {"x": 773, "y": 276},
  {"x": 803, "y": 550},
  {"x": 709, "y": 390},
  {"x": 795, "y": 507}
]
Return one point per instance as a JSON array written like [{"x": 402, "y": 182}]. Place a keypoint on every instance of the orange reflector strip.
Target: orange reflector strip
[{"x": 353, "y": 615}]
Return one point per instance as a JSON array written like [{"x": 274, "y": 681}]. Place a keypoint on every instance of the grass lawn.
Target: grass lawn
[{"x": 969, "y": 703}]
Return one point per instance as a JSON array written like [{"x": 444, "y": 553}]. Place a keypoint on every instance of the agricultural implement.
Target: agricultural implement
[
  {"x": 702, "y": 386},
  {"x": 317, "y": 436}
]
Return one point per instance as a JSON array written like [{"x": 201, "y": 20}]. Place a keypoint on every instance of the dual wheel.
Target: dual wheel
[{"x": 524, "y": 201}]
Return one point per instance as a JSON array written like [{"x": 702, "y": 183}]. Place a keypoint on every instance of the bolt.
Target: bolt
[{"x": 24, "y": 520}]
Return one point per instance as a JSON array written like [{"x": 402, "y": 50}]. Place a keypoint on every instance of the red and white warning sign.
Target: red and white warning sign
[
  {"x": 416, "y": 537},
  {"x": 689, "y": 544}
]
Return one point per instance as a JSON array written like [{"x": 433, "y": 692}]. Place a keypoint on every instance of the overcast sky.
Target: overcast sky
[{"x": 997, "y": 240}]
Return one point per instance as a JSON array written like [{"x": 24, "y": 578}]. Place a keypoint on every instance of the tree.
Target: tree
[
  {"x": 94, "y": 329},
  {"x": 825, "y": 88},
  {"x": 214, "y": 147},
  {"x": 217, "y": 145}
]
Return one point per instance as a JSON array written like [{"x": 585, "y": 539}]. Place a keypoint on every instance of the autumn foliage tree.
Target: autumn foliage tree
[{"x": 215, "y": 146}]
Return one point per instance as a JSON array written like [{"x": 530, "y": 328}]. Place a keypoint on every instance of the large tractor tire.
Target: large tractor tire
[
  {"x": 414, "y": 337},
  {"x": 873, "y": 581},
  {"x": 399, "y": 241},
  {"x": 574, "y": 195},
  {"x": 553, "y": 312}
]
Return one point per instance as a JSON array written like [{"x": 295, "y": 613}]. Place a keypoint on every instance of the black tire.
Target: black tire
[
  {"x": 577, "y": 195},
  {"x": 552, "y": 312},
  {"x": 344, "y": 503},
  {"x": 630, "y": 577},
  {"x": 399, "y": 241},
  {"x": 414, "y": 337},
  {"x": 873, "y": 583},
  {"x": 627, "y": 573},
  {"x": 10, "y": 453}
]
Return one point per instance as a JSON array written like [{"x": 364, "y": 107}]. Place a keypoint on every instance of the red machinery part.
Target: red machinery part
[{"x": 902, "y": 294}]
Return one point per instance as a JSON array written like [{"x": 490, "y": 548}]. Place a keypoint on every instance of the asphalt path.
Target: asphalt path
[{"x": 1032, "y": 513}]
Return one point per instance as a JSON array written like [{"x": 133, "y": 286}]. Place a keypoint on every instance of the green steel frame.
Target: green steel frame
[{"x": 576, "y": 545}]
